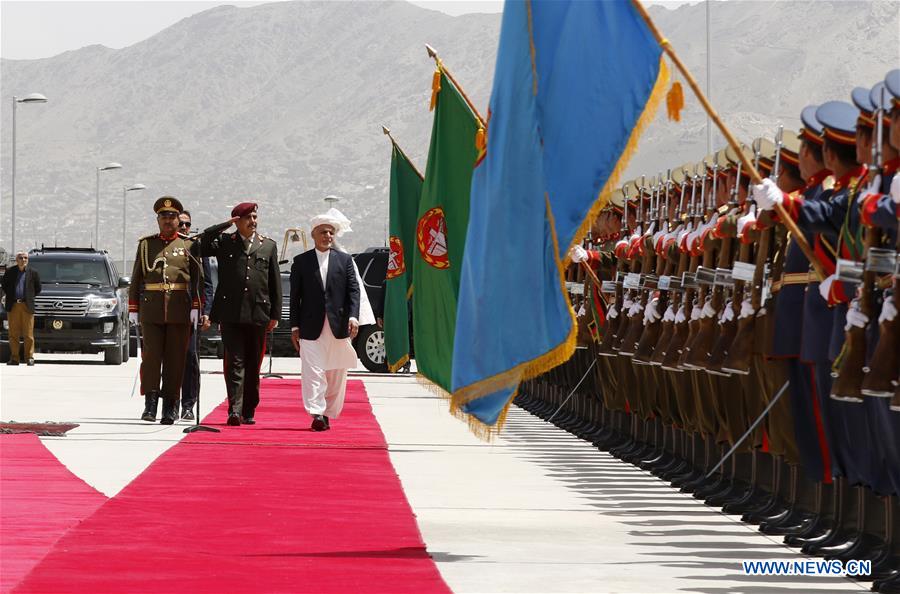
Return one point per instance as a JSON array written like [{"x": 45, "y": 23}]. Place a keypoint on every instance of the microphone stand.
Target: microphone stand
[
  {"x": 197, "y": 426},
  {"x": 271, "y": 341}
]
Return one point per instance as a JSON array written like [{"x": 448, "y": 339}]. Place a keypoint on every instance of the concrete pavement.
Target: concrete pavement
[{"x": 536, "y": 511}]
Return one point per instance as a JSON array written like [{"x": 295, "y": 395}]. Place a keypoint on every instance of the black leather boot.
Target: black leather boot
[
  {"x": 170, "y": 408},
  {"x": 151, "y": 401}
]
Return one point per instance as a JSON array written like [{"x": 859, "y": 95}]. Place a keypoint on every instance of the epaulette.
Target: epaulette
[
  {"x": 828, "y": 183},
  {"x": 149, "y": 236},
  {"x": 262, "y": 237}
]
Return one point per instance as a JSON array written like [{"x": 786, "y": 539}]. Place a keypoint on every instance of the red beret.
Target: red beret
[{"x": 243, "y": 209}]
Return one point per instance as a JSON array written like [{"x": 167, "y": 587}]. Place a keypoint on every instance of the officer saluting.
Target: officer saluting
[
  {"x": 246, "y": 306},
  {"x": 164, "y": 298}
]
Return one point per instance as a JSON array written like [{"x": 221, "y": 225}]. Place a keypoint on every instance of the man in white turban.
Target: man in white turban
[{"x": 325, "y": 312}]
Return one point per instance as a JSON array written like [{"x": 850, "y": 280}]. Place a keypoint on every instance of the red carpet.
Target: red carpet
[
  {"x": 268, "y": 508},
  {"x": 39, "y": 501}
]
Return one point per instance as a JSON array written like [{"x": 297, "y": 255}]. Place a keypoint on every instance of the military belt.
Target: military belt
[
  {"x": 794, "y": 278},
  {"x": 166, "y": 287}
]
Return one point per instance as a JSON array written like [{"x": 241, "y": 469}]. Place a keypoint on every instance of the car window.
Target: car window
[{"x": 71, "y": 271}]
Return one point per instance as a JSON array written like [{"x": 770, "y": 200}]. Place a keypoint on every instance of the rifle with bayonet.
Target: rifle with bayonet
[
  {"x": 881, "y": 378},
  {"x": 665, "y": 263},
  {"x": 646, "y": 255},
  {"x": 851, "y": 362},
  {"x": 740, "y": 273},
  {"x": 681, "y": 331},
  {"x": 740, "y": 352},
  {"x": 709, "y": 322},
  {"x": 704, "y": 274},
  {"x": 677, "y": 260},
  {"x": 615, "y": 322}
]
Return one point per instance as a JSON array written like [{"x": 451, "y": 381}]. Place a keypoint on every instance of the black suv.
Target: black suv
[{"x": 83, "y": 305}]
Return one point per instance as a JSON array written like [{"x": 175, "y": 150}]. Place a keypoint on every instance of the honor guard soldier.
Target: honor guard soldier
[
  {"x": 247, "y": 304},
  {"x": 164, "y": 298}
]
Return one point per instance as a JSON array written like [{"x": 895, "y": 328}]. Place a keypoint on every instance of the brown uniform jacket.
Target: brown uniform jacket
[{"x": 166, "y": 280}]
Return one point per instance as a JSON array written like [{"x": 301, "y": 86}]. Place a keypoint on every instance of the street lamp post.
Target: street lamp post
[
  {"x": 331, "y": 199},
  {"x": 32, "y": 98},
  {"x": 107, "y": 167},
  {"x": 125, "y": 191}
]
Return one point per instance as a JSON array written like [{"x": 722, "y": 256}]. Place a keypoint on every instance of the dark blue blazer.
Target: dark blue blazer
[{"x": 311, "y": 302}]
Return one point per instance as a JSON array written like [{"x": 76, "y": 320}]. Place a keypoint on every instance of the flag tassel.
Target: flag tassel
[{"x": 675, "y": 102}]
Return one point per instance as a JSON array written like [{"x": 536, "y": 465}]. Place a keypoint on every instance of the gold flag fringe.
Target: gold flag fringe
[{"x": 563, "y": 351}]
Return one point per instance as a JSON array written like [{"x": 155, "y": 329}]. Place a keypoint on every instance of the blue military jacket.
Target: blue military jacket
[{"x": 790, "y": 306}]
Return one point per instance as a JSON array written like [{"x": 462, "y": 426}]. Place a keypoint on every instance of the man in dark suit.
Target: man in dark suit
[
  {"x": 247, "y": 304},
  {"x": 190, "y": 385},
  {"x": 20, "y": 284},
  {"x": 325, "y": 298}
]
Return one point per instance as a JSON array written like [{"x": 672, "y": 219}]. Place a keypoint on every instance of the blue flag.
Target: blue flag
[{"x": 574, "y": 84}]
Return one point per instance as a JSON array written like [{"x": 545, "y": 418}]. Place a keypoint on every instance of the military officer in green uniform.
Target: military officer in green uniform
[
  {"x": 247, "y": 304},
  {"x": 164, "y": 298}
]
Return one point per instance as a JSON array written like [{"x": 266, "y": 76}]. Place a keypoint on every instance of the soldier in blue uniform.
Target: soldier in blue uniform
[{"x": 803, "y": 323}]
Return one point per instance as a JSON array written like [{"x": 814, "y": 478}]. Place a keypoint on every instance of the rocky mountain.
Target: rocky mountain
[{"x": 282, "y": 103}]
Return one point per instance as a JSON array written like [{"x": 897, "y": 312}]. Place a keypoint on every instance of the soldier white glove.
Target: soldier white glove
[
  {"x": 133, "y": 317},
  {"x": 613, "y": 313},
  {"x": 746, "y": 309},
  {"x": 680, "y": 317},
  {"x": 888, "y": 311},
  {"x": 695, "y": 314},
  {"x": 581, "y": 311},
  {"x": 635, "y": 309},
  {"x": 895, "y": 189},
  {"x": 578, "y": 254},
  {"x": 727, "y": 314},
  {"x": 651, "y": 313},
  {"x": 767, "y": 195},
  {"x": 195, "y": 316},
  {"x": 669, "y": 316},
  {"x": 825, "y": 286},
  {"x": 747, "y": 219},
  {"x": 855, "y": 318},
  {"x": 874, "y": 187},
  {"x": 708, "y": 310}
]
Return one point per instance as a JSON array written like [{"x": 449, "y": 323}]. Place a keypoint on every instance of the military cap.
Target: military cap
[
  {"x": 812, "y": 128},
  {"x": 616, "y": 200},
  {"x": 838, "y": 121},
  {"x": 790, "y": 148},
  {"x": 243, "y": 209},
  {"x": 766, "y": 150},
  {"x": 167, "y": 204},
  {"x": 680, "y": 174},
  {"x": 860, "y": 97},
  {"x": 892, "y": 84},
  {"x": 880, "y": 97},
  {"x": 732, "y": 158}
]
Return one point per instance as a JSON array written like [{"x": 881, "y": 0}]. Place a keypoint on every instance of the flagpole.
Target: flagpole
[
  {"x": 440, "y": 64},
  {"x": 785, "y": 218},
  {"x": 387, "y": 132}
]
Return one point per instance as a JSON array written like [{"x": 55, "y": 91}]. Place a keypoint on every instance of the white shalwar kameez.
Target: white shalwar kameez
[
  {"x": 324, "y": 365},
  {"x": 325, "y": 361}
]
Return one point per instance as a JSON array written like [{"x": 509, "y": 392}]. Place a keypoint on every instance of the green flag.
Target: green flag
[
  {"x": 406, "y": 188},
  {"x": 443, "y": 219}
]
